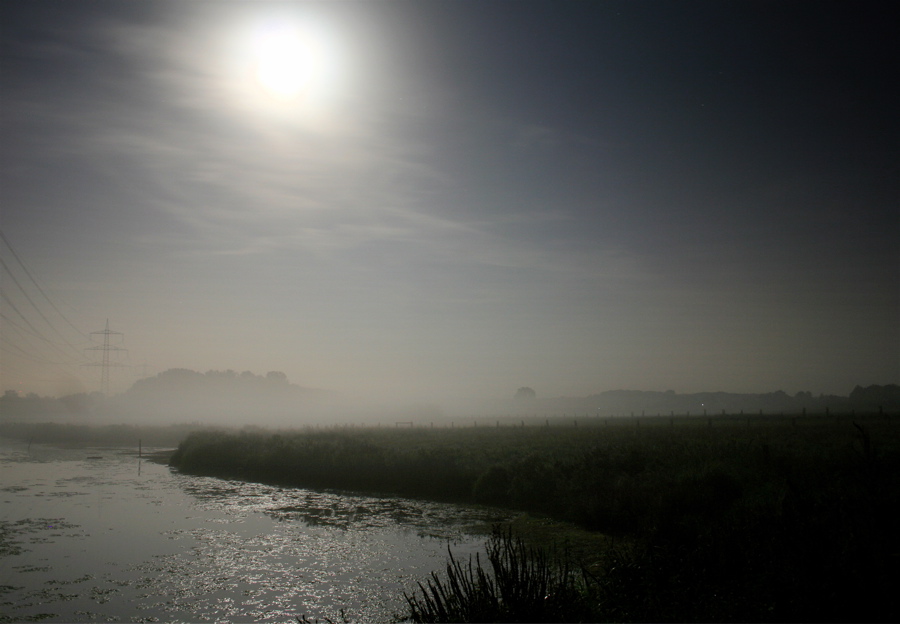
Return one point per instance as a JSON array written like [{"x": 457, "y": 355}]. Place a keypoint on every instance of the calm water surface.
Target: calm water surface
[{"x": 100, "y": 535}]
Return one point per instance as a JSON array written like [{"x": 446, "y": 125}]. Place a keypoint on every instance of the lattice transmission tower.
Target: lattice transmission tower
[{"x": 105, "y": 349}]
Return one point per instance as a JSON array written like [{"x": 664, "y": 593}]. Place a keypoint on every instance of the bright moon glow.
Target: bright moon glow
[
  {"x": 288, "y": 67},
  {"x": 284, "y": 61}
]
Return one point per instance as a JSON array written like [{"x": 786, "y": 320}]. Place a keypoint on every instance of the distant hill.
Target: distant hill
[
  {"x": 637, "y": 402},
  {"x": 218, "y": 394}
]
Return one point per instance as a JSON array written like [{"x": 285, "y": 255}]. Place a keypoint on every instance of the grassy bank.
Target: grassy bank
[{"x": 775, "y": 521}]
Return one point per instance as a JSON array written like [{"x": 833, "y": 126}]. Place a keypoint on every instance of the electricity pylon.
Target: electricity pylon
[{"x": 106, "y": 348}]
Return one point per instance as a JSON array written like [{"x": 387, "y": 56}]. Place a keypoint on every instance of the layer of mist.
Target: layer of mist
[{"x": 236, "y": 399}]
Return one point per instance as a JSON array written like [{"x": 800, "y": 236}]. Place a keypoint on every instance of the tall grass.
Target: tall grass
[
  {"x": 523, "y": 584},
  {"x": 774, "y": 522}
]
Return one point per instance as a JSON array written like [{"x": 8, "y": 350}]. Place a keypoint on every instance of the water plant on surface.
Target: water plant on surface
[{"x": 524, "y": 584}]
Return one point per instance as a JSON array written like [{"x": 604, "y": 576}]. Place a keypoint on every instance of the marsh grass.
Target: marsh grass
[
  {"x": 519, "y": 584},
  {"x": 784, "y": 520}
]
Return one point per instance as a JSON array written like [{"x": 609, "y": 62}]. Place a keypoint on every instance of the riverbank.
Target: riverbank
[{"x": 768, "y": 521}]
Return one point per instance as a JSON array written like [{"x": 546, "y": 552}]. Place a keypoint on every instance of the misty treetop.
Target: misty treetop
[
  {"x": 186, "y": 380},
  {"x": 226, "y": 396},
  {"x": 525, "y": 393},
  {"x": 178, "y": 394}
]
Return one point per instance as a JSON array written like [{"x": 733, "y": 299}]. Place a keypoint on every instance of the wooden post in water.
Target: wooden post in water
[{"x": 140, "y": 448}]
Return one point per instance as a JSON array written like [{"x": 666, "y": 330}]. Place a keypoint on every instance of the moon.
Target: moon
[
  {"x": 284, "y": 64},
  {"x": 290, "y": 68}
]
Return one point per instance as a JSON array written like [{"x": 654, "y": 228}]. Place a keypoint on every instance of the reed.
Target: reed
[
  {"x": 771, "y": 523},
  {"x": 522, "y": 584}
]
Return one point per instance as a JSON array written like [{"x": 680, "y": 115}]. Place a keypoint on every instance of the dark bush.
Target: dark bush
[{"x": 492, "y": 486}]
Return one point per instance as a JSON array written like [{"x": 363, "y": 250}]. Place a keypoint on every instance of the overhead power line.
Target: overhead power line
[
  {"x": 36, "y": 346},
  {"x": 37, "y": 309},
  {"x": 36, "y": 285}
]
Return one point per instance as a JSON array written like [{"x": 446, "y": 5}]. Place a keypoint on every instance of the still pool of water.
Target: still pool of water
[{"x": 101, "y": 535}]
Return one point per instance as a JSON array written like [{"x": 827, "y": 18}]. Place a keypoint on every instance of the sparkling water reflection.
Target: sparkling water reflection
[{"x": 98, "y": 535}]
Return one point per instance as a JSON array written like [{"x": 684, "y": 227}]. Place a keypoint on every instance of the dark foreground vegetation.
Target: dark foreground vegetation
[
  {"x": 712, "y": 520},
  {"x": 523, "y": 584}
]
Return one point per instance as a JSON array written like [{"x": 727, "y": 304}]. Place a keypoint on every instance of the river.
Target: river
[{"x": 92, "y": 535}]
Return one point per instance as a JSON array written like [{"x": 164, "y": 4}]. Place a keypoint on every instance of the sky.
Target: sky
[{"x": 417, "y": 201}]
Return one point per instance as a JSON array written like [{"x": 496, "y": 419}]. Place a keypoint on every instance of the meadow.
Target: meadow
[{"x": 705, "y": 519}]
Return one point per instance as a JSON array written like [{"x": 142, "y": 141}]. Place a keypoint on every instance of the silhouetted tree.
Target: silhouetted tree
[
  {"x": 277, "y": 377},
  {"x": 525, "y": 393}
]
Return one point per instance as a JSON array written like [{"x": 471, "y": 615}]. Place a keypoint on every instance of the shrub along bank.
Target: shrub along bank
[{"x": 769, "y": 522}]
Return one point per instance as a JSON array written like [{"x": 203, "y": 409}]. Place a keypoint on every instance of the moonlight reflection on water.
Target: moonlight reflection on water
[{"x": 114, "y": 538}]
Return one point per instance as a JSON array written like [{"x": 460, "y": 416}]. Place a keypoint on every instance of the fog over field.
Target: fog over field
[{"x": 414, "y": 208}]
